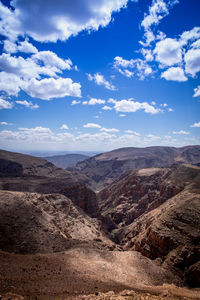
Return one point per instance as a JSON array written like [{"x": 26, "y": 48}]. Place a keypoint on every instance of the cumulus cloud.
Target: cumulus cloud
[
  {"x": 75, "y": 102},
  {"x": 174, "y": 74},
  {"x": 195, "y": 125},
  {"x": 64, "y": 127},
  {"x": 190, "y": 35},
  {"x": 10, "y": 83},
  {"x": 140, "y": 67},
  {"x": 168, "y": 52},
  {"x": 106, "y": 107},
  {"x": 25, "y": 47},
  {"x": 50, "y": 59},
  {"x": 27, "y": 104},
  {"x": 58, "y": 20},
  {"x": 132, "y": 132},
  {"x": 94, "y": 101},
  {"x": 92, "y": 125},
  {"x": 19, "y": 73},
  {"x": 109, "y": 129},
  {"x": 192, "y": 61},
  {"x": 49, "y": 88},
  {"x": 24, "y": 68},
  {"x": 131, "y": 105},
  {"x": 100, "y": 80},
  {"x": 197, "y": 91},
  {"x": 157, "y": 11},
  {"x": 181, "y": 132},
  {"x": 6, "y": 123},
  {"x": 4, "y": 104}
]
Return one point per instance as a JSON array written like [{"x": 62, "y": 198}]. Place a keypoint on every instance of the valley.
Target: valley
[{"x": 124, "y": 224}]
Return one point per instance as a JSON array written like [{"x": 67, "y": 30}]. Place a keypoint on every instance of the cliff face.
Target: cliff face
[
  {"x": 104, "y": 168},
  {"x": 157, "y": 212}
]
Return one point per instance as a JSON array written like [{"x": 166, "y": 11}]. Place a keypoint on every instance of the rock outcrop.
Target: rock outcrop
[
  {"x": 38, "y": 223},
  {"x": 157, "y": 212}
]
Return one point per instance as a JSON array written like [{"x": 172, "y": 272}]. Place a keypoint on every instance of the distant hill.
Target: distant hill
[
  {"x": 67, "y": 160},
  {"x": 104, "y": 168}
]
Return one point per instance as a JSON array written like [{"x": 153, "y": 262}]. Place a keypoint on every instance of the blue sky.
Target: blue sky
[{"x": 94, "y": 75}]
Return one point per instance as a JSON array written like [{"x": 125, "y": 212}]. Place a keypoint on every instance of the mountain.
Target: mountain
[
  {"x": 104, "y": 168},
  {"x": 67, "y": 160},
  {"x": 20, "y": 172},
  {"x": 156, "y": 211}
]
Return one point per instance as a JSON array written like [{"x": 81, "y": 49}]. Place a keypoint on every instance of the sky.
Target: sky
[{"x": 96, "y": 75}]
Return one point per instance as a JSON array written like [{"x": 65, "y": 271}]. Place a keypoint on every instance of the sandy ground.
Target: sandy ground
[{"x": 85, "y": 271}]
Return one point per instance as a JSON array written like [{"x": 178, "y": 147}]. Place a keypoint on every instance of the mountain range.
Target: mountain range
[{"x": 125, "y": 219}]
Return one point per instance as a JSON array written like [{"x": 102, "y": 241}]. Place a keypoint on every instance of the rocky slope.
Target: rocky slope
[
  {"x": 157, "y": 212},
  {"x": 67, "y": 160},
  {"x": 104, "y": 168},
  {"x": 19, "y": 172},
  {"x": 38, "y": 223}
]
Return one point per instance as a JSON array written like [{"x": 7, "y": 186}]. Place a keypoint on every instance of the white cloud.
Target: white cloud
[
  {"x": 152, "y": 138},
  {"x": 170, "y": 109},
  {"x": 28, "y": 104},
  {"x": 91, "y": 125},
  {"x": 26, "y": 47},
  {"x": 24, "y": 68},
  {"x": 195, "y": 125},
  {"x": 50, "y": 59},
  {"x": 57, "y": 20},
  {"x": 122, "y": 115},
  {"x": 132, "y": 132},
  {"x": 109, "y": 129},
  {"x": 5, "y": 104},
  {"x": 192, "y": 61},
  {"x": 133, "y": 106},
  {"x": 196, "y": 44},
  {"x": 49, "y": 88},
  {"x": 10, "y": 83},
  {"x": 157, "y": 11},
  {"x": 168, "y": 52},
  {"x": 75, "y": 102},
  {"x": 64, "y": 127},
  {"x": 197, "y": 91},
  {"x": 121, "y": 62},
  {"x": 6, "y": 123},
  {"x": 147, "y": 53},
  {"x": 100, "y": 80},
  {"x": 174, "y": 74},
  {"x": 106, "y": 107},
  {"x": 94, "y": 101},
  {"x": 141, "y": 68},
  {"x": 181, "y": 132},
  {"x": 190, "y": 35},
  {"x": 111, "y": 100}
]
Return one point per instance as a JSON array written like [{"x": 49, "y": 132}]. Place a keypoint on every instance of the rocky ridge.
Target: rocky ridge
[{"x": 104, "y": 168}]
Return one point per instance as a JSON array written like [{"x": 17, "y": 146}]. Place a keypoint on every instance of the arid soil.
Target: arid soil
[{"x": 80, "y": 271}]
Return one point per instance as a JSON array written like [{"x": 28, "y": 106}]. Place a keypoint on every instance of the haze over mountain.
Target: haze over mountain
[
  {"x": 102, "y": 169},
  {"x": 67, "y": 160}
]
